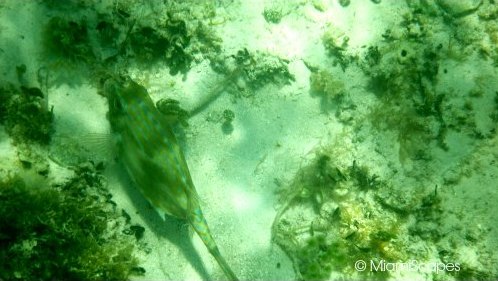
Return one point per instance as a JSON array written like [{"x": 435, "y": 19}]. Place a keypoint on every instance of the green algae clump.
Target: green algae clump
[
  {"x": 25, "y": 114},
  {"x": 68, "y": 232}
]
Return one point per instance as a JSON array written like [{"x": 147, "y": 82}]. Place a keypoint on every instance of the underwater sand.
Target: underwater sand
[{"x": 276, "y": 132}]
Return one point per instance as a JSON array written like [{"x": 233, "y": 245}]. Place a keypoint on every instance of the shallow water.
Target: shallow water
[{"x": 327, "y": 140}]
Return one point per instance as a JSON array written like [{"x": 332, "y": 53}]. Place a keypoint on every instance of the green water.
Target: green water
[{"x": 327, "y": 140}]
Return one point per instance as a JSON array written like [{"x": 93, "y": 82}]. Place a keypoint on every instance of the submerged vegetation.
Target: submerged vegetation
[
  {"x": 68, "y": 39},
  {"x": 334, "y": 213},
  {"x": 324, "y": 85},
  {"x": 25, "y": 114},
  {"x": 118, "y": 36},
  {"x": 171, "y": 109},
  {"x": 409, "y": 76},
  {"x": 74, "y": 231},
  {"x": 169, "y": 43},
  {"x": 248, "y": 72},
  {"x": 340, "y": 225},
  {"x": 67, "y": 232},
  {"x": 422, "y": 114}
]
